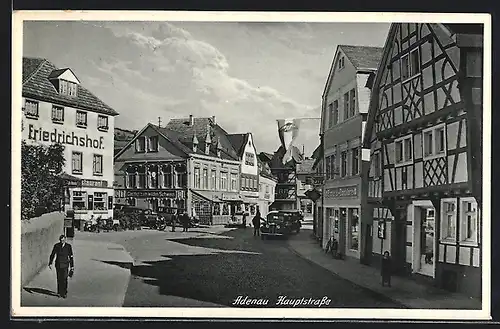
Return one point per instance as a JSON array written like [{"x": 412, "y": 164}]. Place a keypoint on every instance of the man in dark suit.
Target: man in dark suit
[{"x": 63, "y": 254}]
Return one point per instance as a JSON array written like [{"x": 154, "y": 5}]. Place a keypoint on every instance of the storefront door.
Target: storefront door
[{"x": 424, "y": 239}]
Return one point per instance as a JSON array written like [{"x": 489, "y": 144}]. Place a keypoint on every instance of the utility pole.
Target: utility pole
[{"x": 159, "y": 122}]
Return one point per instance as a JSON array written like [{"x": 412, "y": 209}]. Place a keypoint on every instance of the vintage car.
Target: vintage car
[{"x": 281, "y": 223}]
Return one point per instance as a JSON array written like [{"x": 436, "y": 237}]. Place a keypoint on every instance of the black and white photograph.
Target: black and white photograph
[{"x": 251, "y": 165}]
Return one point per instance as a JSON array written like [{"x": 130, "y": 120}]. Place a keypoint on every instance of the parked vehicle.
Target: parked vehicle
[{"x": 281, "y": 223}]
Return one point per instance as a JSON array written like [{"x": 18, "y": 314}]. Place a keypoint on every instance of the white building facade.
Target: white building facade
[{"x": 58, "y": 109}]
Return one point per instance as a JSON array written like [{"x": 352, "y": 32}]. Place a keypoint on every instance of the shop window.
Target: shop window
[
  {"x": 140, "y": 144},
  {"x": 100, "y": 199},
  {"x": 79, "y": 200},
  {"x": 81, "y": 119},
  {"x": 76, "y": 162},
  {"x": 354, "y": 229},
  {"x": 31, "y": 109},
  {"x": 57, "y": 114},
  {"x": 216, "y": 209},
  {"x": 434, "y": 142},
  {"x": 448, "y": 220},
  {"x": 252, "y": 210},
  {"x": 469, "y": 221},
  {"x": 225, "y": 209},
  {"x": 404, "y": 150},
  {"x": 97, "y": 165},
  {"x": 102, "y": 123}
]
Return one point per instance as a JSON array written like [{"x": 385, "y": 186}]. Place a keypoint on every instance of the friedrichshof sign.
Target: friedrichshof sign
[
  {"x": 339, "y": 192},
  {"x": 62, "y": 137}
]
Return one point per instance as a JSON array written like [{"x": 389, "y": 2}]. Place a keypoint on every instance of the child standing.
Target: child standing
[{"x": 386, "y": 269}]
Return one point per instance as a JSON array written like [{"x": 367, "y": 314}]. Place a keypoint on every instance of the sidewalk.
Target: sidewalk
[
  {"x": 404, "y": 290},
  {"x": 102, "y": 274}
]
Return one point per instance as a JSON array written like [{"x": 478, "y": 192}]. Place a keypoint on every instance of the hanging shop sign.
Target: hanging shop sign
[{"x": 156, "y": 194}]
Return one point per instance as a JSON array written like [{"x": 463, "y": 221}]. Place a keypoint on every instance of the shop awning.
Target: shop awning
[
  {"x": 207, "y": 196},
  {"x": 69, "y": 179}
]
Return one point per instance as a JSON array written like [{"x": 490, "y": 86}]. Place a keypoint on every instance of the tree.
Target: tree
[{"x": 42, "y": 190}]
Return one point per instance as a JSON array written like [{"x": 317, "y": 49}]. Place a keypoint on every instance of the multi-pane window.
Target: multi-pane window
[
  {"x": 330, "y": 114},
  {"x": 404, "y": 151},
  {"x": 205, "y": 178},
  {"x": 197, "y": 179},
  {"x": 355, "y": 161},
  {"x": 328, "y": 168},
  {"x": 448, "y": 220},
  {"x": 57, "y": 114},
  {"x": 153, "y": 144},
  {"x": 79, "y": 200},
  {"x": 223, "y": 181},
  {"x": 81, "y": 119},
  {"x": 102, "y": 122},
  {"x": 168, "y": 176},
  {"x": 343, "y": 165},
  {"x": 31, "y": 108},
  {"x": 76, "y": 162},
  {"x": 352, "y": 103},
  {"x": 68, "y": 88},
  {"x": 335, "y": 112},
  {"x": 376, "y": 164},
  {"x": 100, "y": 199},
  {"x": 249, "y": 159},
  {"x": 214, "y": 179},
  {"x": 181, "y": 176},
  {"x": 341, "y": 62},
  {"x": 410, "y": 64},
  {"x": 469, "y": 222},
  {"x": 346, "y": 106},
  {"x": 131, "y": 180},
  {"x": 97, "y": 164},
  {"x": 434, "y": 141},
  {"x": 234, "y": 182},
  {"x": 140, "y": 144},
  {"x": 332, "y": 166}
]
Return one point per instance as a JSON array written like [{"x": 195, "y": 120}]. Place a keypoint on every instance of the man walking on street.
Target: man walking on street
[
  {"x": 63, "y": 254},
  {"x": 185, "y": 222},
  {"x": 256, "y": 224}
]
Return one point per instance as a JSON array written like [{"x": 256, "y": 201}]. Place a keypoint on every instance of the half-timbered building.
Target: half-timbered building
[{"x": 422, "y": 154}]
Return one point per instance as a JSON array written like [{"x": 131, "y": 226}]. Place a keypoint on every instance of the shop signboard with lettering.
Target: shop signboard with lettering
[
  {"x": 342, "y": 192},
  {"x": 179, "y": 194}
]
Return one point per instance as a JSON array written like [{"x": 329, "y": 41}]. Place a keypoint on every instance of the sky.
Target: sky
[{"x": 247, "y": 74}]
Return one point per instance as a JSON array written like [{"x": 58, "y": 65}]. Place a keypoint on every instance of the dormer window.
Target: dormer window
[
  {"x": 140, "y": 145},
  {"x": 67, "y": 88},
  {"x": 153, "y": 144}
]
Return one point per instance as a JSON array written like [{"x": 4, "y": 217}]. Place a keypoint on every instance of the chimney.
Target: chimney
[
  {"x": 191, "y": 120},
  {"x": 213, "y": 120}
]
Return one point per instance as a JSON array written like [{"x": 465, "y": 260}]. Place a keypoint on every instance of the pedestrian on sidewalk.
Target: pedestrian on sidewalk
[
  {"x": 63, "y": 253},
  {"x": 386, "y": 269},
  {"x": 256, "y": 224},
  {"x": 174, "y": 219},
  {"x": 185, "y": 222}
]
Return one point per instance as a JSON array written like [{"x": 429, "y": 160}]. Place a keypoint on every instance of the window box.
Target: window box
[
  {"x": 57, "y": 114},
  {"x": 448, "y": 233},
  {"x": 434, "y": 142},
  {"x": 404, "y": 151}
]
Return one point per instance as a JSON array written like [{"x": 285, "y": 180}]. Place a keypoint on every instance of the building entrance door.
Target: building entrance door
[{"x": 424, "y": 238}]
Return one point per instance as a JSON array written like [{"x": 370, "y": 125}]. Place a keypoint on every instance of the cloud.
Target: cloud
[{"x": 193, "y": 77}]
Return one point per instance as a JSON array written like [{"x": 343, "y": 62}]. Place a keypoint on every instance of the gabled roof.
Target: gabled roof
[
  {"x": 200, "y": 128},
  {"x": 363, "y": 57},
  {"x": 239, "y": 142},
  {"x": 36, "y": 84},
  {"x": 57, "y": 73},
  {"x": 171, "y": 136},
  {"x": 265, "y": 157}
]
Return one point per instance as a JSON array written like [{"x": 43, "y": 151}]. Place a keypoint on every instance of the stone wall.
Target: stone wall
[{"x": 38, "y": 236}]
